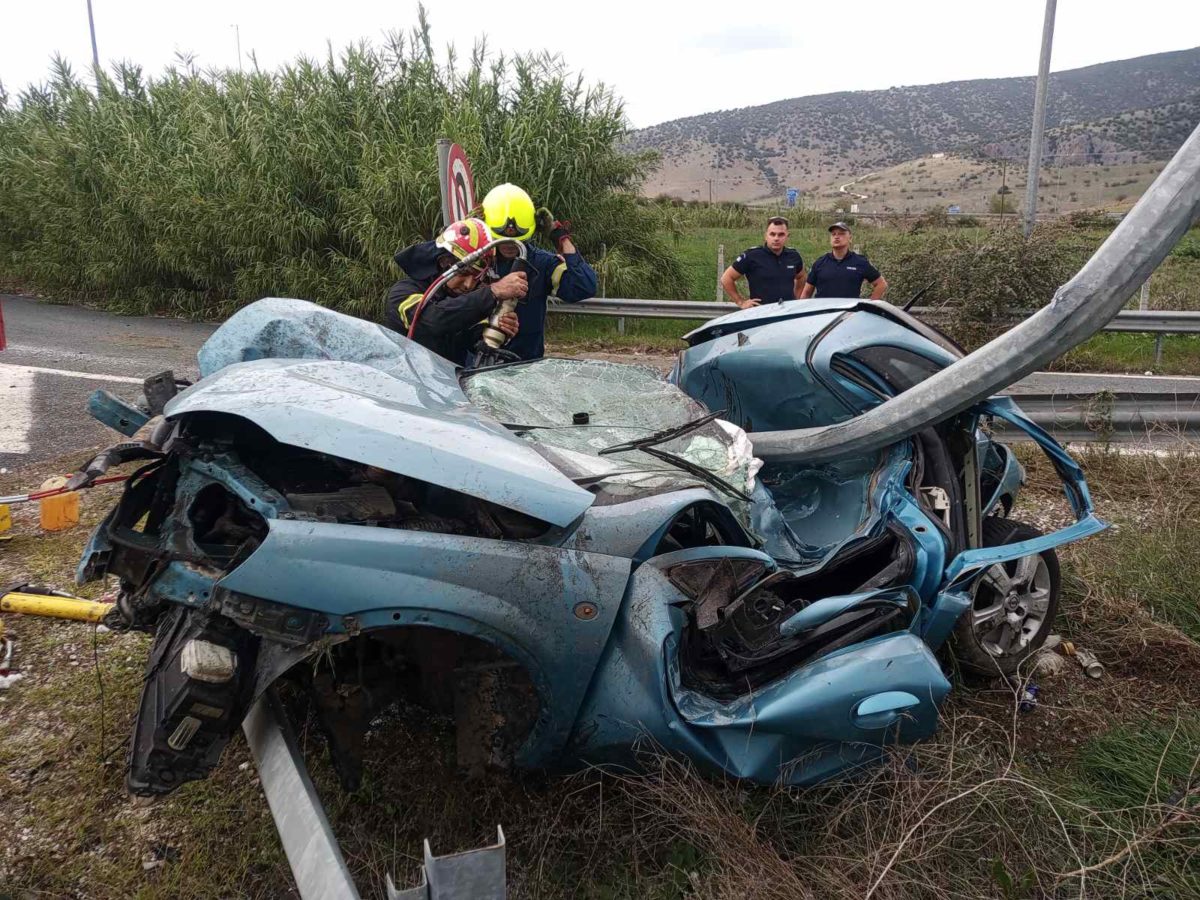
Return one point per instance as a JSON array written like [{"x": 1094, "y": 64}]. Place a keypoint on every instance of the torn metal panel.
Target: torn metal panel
[{"x": 523, "y": 599}]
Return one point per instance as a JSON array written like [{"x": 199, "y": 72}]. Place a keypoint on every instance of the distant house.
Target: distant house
[{"x": 937, "y": 156}]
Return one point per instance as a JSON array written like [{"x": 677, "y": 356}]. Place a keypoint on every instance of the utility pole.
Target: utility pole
[
  {"x": 1039, "y": 119},
  {"x": 95, "y": 52},
  {"x": 237, "y": 33},
  {"x": 1003, "y": 187},
  {"x": 710, "y": 181}
]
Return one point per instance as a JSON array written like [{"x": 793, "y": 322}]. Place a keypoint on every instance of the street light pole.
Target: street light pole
[
  {"x": 1039, "y": 119},
  {"x": 237, "y": 33},
  {"x": 95, "y": 52}
]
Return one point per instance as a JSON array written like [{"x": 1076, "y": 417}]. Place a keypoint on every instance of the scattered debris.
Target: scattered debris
[
  {"x": 1029, "y": 698},
  {"x": 7, "y": 681},
  {"x": 1092, "y": 667},
  {"x": 1049, "y": 664}
]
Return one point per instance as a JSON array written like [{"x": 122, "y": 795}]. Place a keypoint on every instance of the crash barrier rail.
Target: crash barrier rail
[
  {"x": 308, "y": 840},
  {"x": 1127, "y": 320},
  {"x": 1111, "y": 416}
]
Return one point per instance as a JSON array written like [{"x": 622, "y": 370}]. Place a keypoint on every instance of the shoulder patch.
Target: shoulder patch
[{"x": 740, "y": 257}]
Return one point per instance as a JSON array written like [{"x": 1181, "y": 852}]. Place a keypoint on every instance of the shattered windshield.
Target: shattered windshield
[{"x": 572, "y": 410}]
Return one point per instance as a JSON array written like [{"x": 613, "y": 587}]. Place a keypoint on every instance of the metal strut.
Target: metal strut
[{"x": 308, "y": 841}]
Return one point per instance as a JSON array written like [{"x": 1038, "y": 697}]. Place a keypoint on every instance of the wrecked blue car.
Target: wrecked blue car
[{"x": 567, "y": 556}]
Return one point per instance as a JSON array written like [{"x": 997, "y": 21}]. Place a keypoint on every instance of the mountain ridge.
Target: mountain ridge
[{"x": 808, "y": 141}]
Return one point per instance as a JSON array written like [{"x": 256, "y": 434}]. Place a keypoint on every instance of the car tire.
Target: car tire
[{"x": 1014, "y": 606}]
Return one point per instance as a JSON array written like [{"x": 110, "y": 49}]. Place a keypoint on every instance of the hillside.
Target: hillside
[
  {"x": 1125, "y": 111},
  {"x": 972, "y": 184}
]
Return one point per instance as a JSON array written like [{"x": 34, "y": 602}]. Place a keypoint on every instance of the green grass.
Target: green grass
[
  {"x": 1144, "y": 761},
  {"x": 1154, "y": 571},
  {"x": 1149, "y": 771},
  {"x": 1134, "y": 354}
]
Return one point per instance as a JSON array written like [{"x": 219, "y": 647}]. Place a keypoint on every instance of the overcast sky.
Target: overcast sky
[{"x": 665, "y": 59}]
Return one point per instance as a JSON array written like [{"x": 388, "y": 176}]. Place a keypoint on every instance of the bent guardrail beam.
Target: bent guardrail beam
[
  {"x": 308, "y": 840},
  {"x": 1080, "y": 308},
  {"x": 312, "y": 850}
]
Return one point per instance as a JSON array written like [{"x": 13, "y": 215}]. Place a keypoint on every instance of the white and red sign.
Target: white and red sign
[{"x": 459, "y": 183}]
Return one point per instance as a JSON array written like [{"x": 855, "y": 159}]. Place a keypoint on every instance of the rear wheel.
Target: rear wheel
[{"x": 1013, "y": 608}]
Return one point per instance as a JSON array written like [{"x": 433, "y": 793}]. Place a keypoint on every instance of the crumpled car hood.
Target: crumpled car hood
[{"x": 400, "y": 410}]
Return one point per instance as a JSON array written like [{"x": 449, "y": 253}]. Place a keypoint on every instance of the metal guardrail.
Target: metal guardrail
[
  {"x": 1112, "y": 416},
  {"x": 1151, "y": 321},
  {"x": 308, "y": 840},
  {"x": 1127, "y": 320}
]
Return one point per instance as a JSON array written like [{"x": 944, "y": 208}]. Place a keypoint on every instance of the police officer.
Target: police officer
[
  {"x": 841, "y": 271},
  {"x": 773, "y": 271}
]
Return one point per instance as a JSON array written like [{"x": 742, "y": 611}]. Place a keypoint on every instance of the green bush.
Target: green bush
[
  {"x": 195, "y": 192},
  {"x": 687, "y": 215},
  {"x": 1187, "y": 248},
  {"x": 981, "y": 280}
]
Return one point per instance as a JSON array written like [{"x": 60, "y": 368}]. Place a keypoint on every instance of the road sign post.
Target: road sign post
[{"x": 443, "y": 159}]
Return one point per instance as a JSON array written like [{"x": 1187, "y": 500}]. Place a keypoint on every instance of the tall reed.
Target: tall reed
[{"x": 195, "y": 192}]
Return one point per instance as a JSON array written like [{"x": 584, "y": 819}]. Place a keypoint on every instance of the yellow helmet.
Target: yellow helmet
[{"x": 508, "y": 212}]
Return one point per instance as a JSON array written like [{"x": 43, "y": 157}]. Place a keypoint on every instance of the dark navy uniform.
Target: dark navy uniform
[
  {"x": 770, "y": 277},
  {"x": 450, "y": 326},
  {"x": 833, "y": 277},
  {"x": 567, "y": 277}
]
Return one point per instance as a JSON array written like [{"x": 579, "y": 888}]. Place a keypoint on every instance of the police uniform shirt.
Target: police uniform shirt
[
  {"x": 833, "y": 277},
  {"x": 770, "y": 277}
]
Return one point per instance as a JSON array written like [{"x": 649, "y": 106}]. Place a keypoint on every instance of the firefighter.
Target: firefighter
[
  {"x": 509, "y": 212},
  {"x": 451, "y": 322}
]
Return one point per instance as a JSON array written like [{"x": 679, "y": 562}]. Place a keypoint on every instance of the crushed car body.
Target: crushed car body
[{"x": 570, "y": 556}]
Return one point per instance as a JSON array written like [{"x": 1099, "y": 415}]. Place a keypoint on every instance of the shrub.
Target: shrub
[
  {"x": 194, "y": 193},
  {"x": 981, "y": 281}
]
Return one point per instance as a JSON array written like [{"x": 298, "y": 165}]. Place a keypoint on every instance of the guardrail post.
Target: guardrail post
[
  {"x": 604, "y": 285},
  {"x": 720, "y": 268},
  {"x": 1144, "y": 299},
  {"x": 1158, "y": 344},
  {"x": 312, "y": 851}
]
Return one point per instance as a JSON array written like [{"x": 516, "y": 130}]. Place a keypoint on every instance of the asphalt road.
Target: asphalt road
[{"x": 58, "y": 355}]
